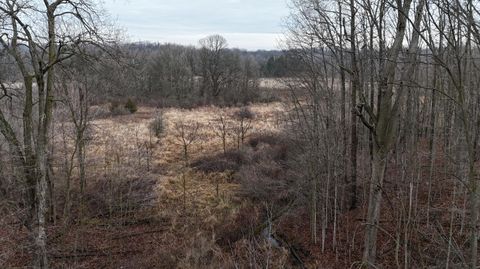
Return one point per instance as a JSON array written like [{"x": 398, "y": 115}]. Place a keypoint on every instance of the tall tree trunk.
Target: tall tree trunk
[
  {"x": 343, "y": 101},
  {"x": 431, "y": 142},
  {"x": 385, "y": 129},
  {"x": 81, "y": 167},
  {"x": 375, "y": 199},
  {"x": 45, "y": 106},
  {"x": 355, "y": 85},
  {"x": 41, "y": 187}
]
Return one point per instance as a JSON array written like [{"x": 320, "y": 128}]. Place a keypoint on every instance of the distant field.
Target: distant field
[{"x": 273, "y": 83}]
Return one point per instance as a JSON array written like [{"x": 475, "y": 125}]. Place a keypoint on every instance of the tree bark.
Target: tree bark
[
  {"x": 374, "y": 202},
  {"x": 355, "y": 86}
]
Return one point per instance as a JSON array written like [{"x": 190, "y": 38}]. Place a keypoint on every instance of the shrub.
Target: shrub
[
  {"x": 279, "y": 147},
  {"x": 244, "y": 113},
  {"x": 157, "y": 126},
  {"x": 101, "y": 111},
  {"x": 244, "y": 118},
  {"x": 270, "y": 139},
  {"x": 268, "y": 95},
  {"x": 117, "y": 196},
  {"x": 116, "y": 109},
  {"x": 229, "y": 161},
  {"x": 113, "y": 105},
  {"x": 244, "y": 223},
  {"x": 131, "y": 106}
]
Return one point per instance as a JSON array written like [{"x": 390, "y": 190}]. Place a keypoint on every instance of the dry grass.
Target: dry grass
[
  {"x": 115, "y": 151},
  {"x": 273, "y": 83},
  {"x": 127, "y": 131},
  {"x": 123, "y": 229}
]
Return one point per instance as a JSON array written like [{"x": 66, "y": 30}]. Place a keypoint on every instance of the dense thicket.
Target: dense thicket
[{"x": 390, "y": 111}]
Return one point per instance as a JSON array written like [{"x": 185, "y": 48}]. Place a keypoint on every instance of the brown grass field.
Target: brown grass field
[{"x": 136, "y": 217}]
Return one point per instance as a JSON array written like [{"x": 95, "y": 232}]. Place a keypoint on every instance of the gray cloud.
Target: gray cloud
[{"x": 246, "y": 24}]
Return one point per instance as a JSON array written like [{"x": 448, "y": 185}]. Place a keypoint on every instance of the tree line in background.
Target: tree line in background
[
  {"x": 188, "y": 76},
  {"x": 176, "y": 75}
]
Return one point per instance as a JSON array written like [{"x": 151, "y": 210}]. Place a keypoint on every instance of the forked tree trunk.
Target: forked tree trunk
[
  {"x": 45, "y": 106},
  {"x": 385, "y": 129}
]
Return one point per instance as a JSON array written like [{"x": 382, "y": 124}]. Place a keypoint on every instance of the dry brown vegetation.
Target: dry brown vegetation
[
  {"x": 135, "y": 216},
  {"x": 146, "y": 207}
]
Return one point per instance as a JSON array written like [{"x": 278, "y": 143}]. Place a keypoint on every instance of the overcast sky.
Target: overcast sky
[{"x": 246, "y": 24}]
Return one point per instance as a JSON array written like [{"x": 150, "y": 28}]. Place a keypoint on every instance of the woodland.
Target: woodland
[{"x": 354, "y": 145}]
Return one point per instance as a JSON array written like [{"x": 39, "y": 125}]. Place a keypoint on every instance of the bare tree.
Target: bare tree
[
  {"x": 187, "y": 133},
  {"x": 244, "y": 117},
  {"x": 222, "y": 127},
  {"x": 170, "y": 74},
  {"x": 39, "y": 36},
  {"x": 76, "y": 85},
  {"x": 384, "y": 123},
  {"x": 212, "y": 57}
]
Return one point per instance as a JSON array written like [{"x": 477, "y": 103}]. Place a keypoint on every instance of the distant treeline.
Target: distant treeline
[
  {"x": 176, "y": 75},
  {"x": 186, "y": 76},
  {"x": 272, "y": 63}
]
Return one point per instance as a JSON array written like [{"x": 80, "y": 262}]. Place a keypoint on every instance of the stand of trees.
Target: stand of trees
[
  {"x": 409, "y": 69},
  {"x": 175, "y": 75},
  {"x": 37, "y": 38}
]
